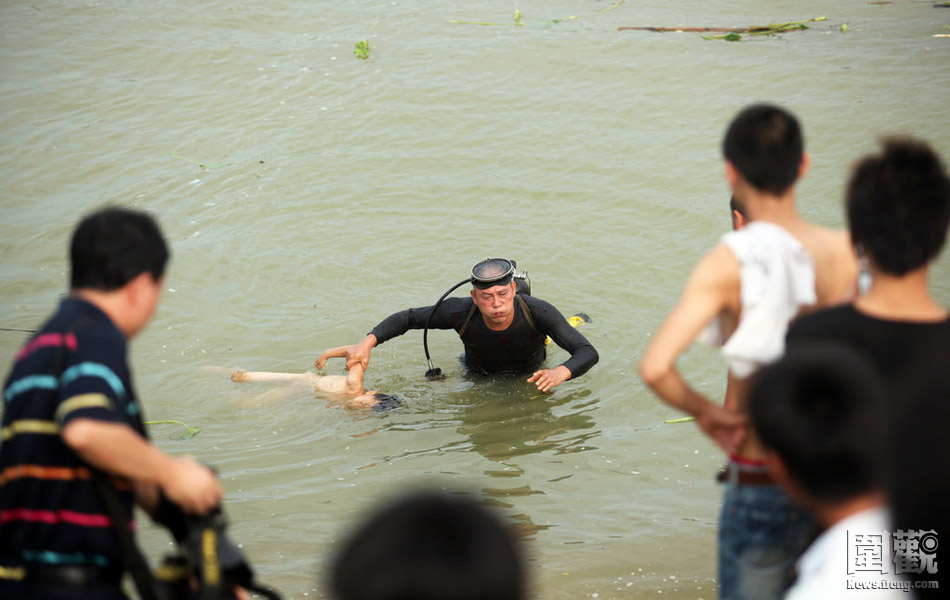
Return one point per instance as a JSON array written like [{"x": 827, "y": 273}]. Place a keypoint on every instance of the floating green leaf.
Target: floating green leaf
[
  {"x": 732, "y": 36},
  {"x": 362, "y": 49},
  {"x": 190, "y": 432},
  {"x": 681, "y": 420}
]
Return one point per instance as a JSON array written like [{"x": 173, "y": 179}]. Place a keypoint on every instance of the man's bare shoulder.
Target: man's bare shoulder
[
  {"x": 836, "y": 264},
  {"x": 716, "y": 273}
]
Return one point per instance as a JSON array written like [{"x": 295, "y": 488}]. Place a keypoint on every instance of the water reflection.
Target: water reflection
[
  {"x": 506, "y": 425},
  {"x": 503, "y": 426}
]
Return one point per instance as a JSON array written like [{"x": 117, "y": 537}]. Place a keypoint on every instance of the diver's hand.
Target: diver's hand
[
  {"x": 192, "y": 486},
  {"x": 547, "y": 379},
  {"x": 728, "y": 429},
  {"x": 359, "y": 353}
]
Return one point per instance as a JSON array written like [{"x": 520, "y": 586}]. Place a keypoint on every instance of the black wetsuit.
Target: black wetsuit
[{"x": 517, "y": 349}]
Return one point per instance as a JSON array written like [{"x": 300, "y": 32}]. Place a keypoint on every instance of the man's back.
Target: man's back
[{"x": 836, "y": 266}]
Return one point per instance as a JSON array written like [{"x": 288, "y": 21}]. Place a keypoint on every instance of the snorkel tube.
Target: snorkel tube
[
  {"x": 435, "y": 373},
  {"x": 487, "y": 273}
]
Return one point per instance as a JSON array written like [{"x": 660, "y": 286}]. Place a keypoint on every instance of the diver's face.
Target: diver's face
[{"x": 497, "y": 305}]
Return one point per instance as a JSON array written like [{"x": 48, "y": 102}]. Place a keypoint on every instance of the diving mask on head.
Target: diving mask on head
[
  {"x": 485, "y": 274},
  {"x": 499, "y": 271}
]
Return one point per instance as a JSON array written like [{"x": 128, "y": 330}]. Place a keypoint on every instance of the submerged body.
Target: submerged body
[{"x": 346, "y": 389}]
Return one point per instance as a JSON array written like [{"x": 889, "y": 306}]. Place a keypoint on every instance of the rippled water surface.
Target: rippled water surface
[{"x": 307, "y": 194}]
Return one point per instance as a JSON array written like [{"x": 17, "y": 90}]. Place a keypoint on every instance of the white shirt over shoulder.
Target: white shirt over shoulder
[
  {"x": 777, "y": 277},
  {"x": 833, "y": 566}
]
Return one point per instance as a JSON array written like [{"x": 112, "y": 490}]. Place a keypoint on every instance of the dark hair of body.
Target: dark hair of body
[
  {"x": 765, "y": 144},
  {"x": 429, "y": 546},
  {"x": 898, "y": 205},
  {"x": 821, "y": 409},
  {"x": 112, "y": 246}
]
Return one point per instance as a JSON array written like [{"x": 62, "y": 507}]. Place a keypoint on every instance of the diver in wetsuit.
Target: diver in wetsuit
[{"x": 503, "y": 331}]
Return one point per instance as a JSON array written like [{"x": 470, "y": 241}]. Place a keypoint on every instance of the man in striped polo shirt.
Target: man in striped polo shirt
[{"x": 69, "y": 408}]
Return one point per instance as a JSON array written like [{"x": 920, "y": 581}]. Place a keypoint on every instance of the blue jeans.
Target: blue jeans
[{"x": 761, "y": 535}]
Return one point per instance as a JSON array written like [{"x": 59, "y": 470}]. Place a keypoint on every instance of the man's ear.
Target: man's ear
[
  {"x": 738, "y": 221},
  {"x": 136, "y": 287},
  {"x": 805, "y": 165}
]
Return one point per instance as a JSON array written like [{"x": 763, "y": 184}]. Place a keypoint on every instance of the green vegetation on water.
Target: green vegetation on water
[{"x": 362, "y": 49}]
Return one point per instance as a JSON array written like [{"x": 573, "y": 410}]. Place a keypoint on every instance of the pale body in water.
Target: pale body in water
[{"x": 347, "y": 389}]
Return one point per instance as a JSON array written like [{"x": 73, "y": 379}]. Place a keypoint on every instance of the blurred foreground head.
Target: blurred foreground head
[
  {"x": 821, "y": 409},
  {"x": 898, "y": 205},
  {"x": 429, "y": 546},
  {"x": 112, "y": 246},
  {"x": 765, "y": 144}
]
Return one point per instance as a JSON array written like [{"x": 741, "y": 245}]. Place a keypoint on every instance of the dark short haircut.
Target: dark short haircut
[
  {"x": 898, "y": 205},
  {"x": 765, "y": 144},
  {"x": 429, "y": 546},
  {"x": 112, "y": 246},
  {"x": 821, "y": 409}
]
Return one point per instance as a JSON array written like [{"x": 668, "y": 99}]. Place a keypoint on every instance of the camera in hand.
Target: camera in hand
[{"x": 207, "y": 564}]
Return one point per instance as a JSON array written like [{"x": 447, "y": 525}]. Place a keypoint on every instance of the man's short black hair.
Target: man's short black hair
[
  {"x": 112, "y": 246},
  {"x": 898, "y": 205},
  {"x": 429, "y": 546},
  {"x": 821, "y": 409},
  {"x": 765, "y": 144}
]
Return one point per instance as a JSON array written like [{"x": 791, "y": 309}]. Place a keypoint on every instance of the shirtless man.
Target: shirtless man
[
  {"x": 347, "y": 388},
  {"x": 750, "y": 286}
]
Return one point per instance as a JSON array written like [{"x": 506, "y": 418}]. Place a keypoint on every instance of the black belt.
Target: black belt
[
  {"x": 740, "y": 476},
  {"x": 73, "y": 574}
]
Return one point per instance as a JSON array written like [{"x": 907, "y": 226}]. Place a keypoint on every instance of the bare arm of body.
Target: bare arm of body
[
  {"x": 118, "y": 449},
  {"x": 712, "y": 288},
  {"x": 351, "y": 384}
]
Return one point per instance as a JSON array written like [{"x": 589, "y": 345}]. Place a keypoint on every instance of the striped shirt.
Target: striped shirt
[{"x": 74, "y": 367}]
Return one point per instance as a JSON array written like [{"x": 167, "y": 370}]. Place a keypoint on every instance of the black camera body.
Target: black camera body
[{"x": 207, "y": 565}]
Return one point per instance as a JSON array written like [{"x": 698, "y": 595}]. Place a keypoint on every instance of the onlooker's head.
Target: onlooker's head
[
  {"x": 820, "y": 409},
  {"x": 764, "y": 144},
  {"x": 112, "y": 246},
  {"x": 429, "y": 546},
  {"x": 898, "y": 205}
]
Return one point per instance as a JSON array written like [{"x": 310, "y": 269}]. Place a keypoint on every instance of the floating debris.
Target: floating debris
[
  {"x": 190, "y": 432},
  {"x": 681, "y": 420},
  {"x": 733, "y": 34},
  {"x": 361, "y": 50}
]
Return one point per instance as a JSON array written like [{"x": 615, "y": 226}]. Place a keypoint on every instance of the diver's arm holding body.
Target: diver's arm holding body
[
  {"x": 583, "y": 354},
  {"x": 400, "y": 322}
]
